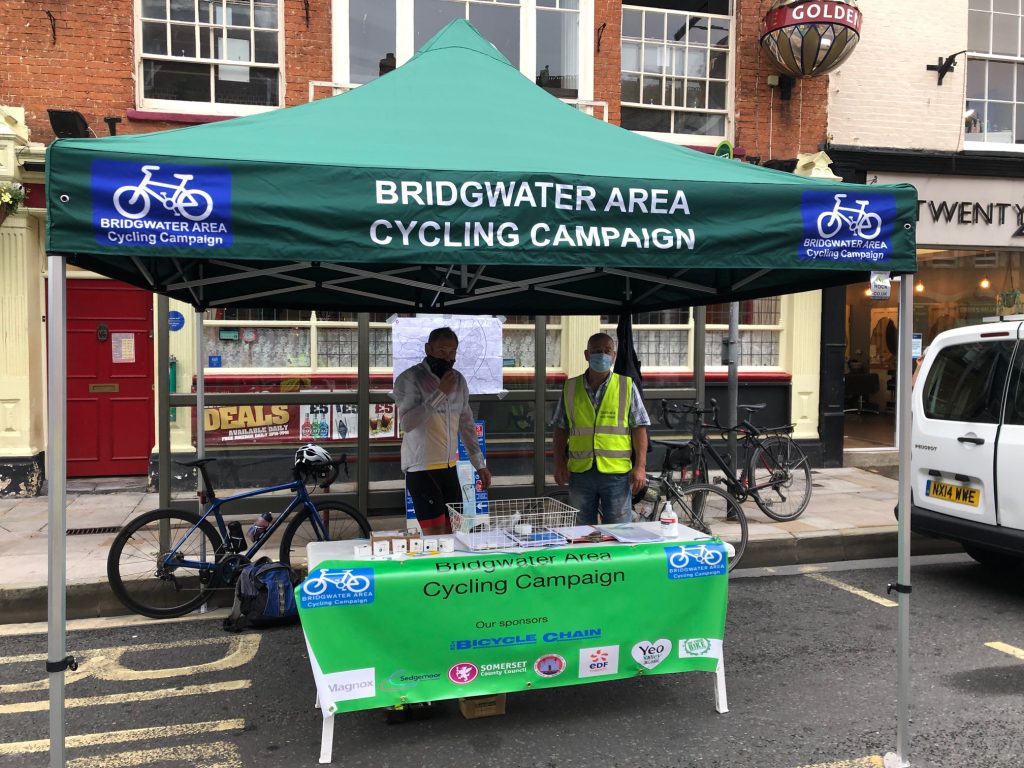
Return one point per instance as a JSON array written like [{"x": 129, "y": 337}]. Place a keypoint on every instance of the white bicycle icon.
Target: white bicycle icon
[
  {"x": 860, "y": 221},
  {"x": 343, "y": 579},
  {"x": 701, "y": 554},
  {"x": 133, "y": 200}
]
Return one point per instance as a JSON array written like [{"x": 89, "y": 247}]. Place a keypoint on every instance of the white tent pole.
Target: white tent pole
[
  {"x": 56, "y": 475},
  {"x": 899, "y": 759}
]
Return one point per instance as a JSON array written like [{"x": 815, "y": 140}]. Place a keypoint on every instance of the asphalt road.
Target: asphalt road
[{"x": 810, "y": 668}]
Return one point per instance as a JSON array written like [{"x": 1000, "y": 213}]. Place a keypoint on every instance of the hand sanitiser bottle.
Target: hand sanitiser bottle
[{"x": 669, "y": 521}]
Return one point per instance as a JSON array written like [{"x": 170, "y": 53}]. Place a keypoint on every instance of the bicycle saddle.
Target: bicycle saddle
[
  {"x": 196, "y": 463},
  {"x": 752, "y": 408}
]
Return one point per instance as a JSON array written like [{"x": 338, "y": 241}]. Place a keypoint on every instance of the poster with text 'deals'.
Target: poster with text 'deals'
[{"x": 479, "y": 357}]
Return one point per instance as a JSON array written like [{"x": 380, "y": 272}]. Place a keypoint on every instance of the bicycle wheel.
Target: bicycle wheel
[
  {"x": 711, "y": 510},
  {"x": 782, "y": 478},
  {"x": 343, "y": 522},
  {"x": 147, "y": 586}
]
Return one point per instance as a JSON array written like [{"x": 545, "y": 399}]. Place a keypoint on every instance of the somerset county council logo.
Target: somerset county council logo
[
  {"x": 172, "y": 206},
  {"x": 855, "y": 226},
  {"x": 549, "y": 665},
  {"x": 463, "y": 673}
]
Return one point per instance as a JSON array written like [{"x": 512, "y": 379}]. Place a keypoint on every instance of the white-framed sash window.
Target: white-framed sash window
[
  {"x": 209, "y": 56},
  {"x": 549, "y": 41}
]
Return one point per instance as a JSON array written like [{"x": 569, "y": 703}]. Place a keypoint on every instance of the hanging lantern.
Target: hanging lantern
[{"x": 805, "y": 38}]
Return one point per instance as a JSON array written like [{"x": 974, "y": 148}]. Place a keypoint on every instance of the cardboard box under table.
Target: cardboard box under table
[{"x": 405, "y": 629}]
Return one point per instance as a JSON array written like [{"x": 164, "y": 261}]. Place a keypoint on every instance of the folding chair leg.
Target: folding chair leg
[
  {"x": 721, "y": 702},
  {"x": 327, "y": 740}
]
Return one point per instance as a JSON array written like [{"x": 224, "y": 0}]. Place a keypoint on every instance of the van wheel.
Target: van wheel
[{"x": 993, "y": 559}]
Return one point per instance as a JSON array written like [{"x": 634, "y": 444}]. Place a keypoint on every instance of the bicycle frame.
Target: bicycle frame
[{"x": 301, "y": 499}]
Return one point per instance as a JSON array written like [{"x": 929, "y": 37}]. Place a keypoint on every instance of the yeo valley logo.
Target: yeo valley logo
[{"x": 150, "y": 205}]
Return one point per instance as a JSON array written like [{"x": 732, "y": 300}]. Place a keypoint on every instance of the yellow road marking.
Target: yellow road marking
[
  {"x": 117, "y": 737},
  {"x": 1010, "y": 649},
  {"x": 129, "y": 698},
  {"x": 217, "y": 754},
  {"x": 872, "y": 761},
  {"x": 106, "y": 663},
  {"x": 852, "y": 590}
]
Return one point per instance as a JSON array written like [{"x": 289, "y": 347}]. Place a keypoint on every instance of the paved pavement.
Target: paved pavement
[{"x": 850, "y": 517}]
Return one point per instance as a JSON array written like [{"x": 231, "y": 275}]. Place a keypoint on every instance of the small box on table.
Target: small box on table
[{"x": 397, "y": 541}]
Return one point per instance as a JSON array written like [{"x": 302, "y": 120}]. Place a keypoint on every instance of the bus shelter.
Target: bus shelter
[{"x": 451, "y": 185}]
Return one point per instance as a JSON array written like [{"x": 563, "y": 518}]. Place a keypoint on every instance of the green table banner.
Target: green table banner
[{"x": 383, "y": 632}]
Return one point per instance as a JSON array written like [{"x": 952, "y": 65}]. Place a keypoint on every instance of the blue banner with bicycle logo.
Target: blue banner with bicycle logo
[
  {"x": 691, "y": 561},
  {"x": 161, "y": 205},
  {"x": 342, "y": 586},
  {"x": 853, "y": 226}
]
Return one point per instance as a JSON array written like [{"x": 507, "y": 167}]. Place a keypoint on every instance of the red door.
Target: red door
[{"x": 110, "y": 378}]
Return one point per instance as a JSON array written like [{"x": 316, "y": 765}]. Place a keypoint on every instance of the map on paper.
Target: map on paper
[{"x": 480, "y": 355}]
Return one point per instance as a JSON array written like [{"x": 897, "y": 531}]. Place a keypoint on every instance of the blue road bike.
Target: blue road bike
[{"x": 168, "y": 562}]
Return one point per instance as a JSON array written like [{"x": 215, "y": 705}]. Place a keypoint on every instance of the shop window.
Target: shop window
[
  {"x": 662, "y": 339},
  {"x": 210, "y": 56},
  {"x": 379, "y": 38},
  {"x": 994, "y": 112},
  {"x": 676, "y": 68},
  {"x": 272, "y": 339}
]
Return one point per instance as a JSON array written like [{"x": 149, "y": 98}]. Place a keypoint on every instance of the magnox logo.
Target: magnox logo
[
  {"x": 463, "y": 673},
  {"x": 174, "y": 206},
  {"x": 351, "y": 684}
]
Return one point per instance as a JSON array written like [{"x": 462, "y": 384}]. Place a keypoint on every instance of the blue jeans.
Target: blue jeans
[{"x": 594, "y": 494}]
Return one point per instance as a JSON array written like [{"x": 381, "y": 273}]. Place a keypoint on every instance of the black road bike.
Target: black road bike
[{"x": 774, "y": 471}]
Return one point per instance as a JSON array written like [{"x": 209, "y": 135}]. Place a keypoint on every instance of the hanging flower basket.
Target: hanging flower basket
[
  {"x": 12, "y": 195},
  {"x": 1009, "y": 299}
]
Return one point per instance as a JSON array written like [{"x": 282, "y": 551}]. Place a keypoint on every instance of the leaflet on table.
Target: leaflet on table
[
  {"x": 580, "y": 534},
  {"x": 628, "y": 533},
  {"x": 482, "y": 540}
]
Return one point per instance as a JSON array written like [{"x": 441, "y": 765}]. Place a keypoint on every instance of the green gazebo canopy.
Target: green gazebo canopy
[{"x": 455, "y": 184}]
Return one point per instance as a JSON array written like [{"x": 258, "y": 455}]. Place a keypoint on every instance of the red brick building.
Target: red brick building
[{"x": 690, "y": 72}]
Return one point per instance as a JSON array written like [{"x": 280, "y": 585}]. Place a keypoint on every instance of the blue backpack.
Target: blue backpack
[{"x": 264, "y": 596}]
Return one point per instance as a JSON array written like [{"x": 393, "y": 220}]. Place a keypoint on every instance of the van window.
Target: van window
[
  {"x": 966, "y": 382},
  {"x": 1015, "y": 396}
]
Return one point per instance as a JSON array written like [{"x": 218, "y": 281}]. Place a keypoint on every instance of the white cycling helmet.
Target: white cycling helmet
[{"x": 311, "y": 455}]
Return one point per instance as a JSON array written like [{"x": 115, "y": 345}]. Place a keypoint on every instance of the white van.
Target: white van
[{"x": 967, "y": 463}]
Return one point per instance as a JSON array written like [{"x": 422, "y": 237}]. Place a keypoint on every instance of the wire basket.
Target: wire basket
[{"x": 496, "y": 524}]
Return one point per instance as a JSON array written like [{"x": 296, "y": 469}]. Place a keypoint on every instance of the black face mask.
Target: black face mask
[{"x": 438, "y": 366}]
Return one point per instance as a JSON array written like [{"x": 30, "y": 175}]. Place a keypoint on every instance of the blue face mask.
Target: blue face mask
[{"x": 600, "y": 362}]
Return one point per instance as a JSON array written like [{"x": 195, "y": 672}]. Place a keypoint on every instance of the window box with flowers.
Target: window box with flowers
[{"x": 12, "y": 195}]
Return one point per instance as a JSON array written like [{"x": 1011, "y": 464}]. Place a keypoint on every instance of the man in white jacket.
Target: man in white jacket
[{"x": 433, "y": 405}]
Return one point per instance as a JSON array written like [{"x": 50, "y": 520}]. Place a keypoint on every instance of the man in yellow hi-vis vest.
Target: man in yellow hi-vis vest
[{"x": 600, "y": 438}]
